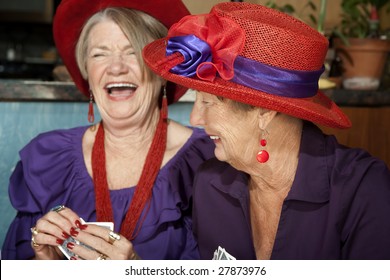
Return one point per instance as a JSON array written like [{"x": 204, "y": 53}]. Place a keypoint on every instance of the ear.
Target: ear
[{"x": 265, "y": 116}]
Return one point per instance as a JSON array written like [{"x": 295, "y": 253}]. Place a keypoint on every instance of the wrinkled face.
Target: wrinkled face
[
  {"x": 235, "y": 132},
  {"x": 114, "y": 75}
]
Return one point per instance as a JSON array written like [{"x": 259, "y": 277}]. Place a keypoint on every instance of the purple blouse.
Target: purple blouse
[
  {"x": 338, "y": 206},
  {"x": 52, "y": 172}
]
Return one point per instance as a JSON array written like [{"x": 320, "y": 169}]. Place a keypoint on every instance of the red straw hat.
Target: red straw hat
[
  {"x": 251, "y": 54},
  {"x": 71, "y": 15}
]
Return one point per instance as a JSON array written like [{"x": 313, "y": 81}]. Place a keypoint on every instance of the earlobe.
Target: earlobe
[{"x": 265, "y": 116}]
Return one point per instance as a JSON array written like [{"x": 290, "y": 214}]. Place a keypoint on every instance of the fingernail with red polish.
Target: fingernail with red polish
[
  {"x": 73, "y": 258},
  {"x": 78, "y": 223},
  {"x": 59, "y": 241},
  {"x": 74, "y": 232},
  {"x": 82, "y": 227},
  {"x": 65, "y": 235},
  {"x": 70, "y": 245}
]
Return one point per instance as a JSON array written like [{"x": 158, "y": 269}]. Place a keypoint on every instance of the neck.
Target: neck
[
  {"x": 283, "y": 145},
  {"x": 133, "y": 136},
  {"x": 143, "y": 190}
]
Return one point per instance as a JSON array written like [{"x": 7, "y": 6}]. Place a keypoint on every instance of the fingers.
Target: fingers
[
  {"x": 41, "y": 238},
  {"x": 58, "y": 208},
  {"x": 96, "y": 240},
  {"x": 112, "y": 237},
  {"x": 63, "y": 217},
  {"x": 41, "y": 248},
  {"x": 92, "y": 242},
  {"x": 54, "y": 227}
]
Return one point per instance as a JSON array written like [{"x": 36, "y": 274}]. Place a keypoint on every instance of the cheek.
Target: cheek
[
  {"x": 239, "y": 135},
  {"x": 94, "y": 72},
  {"x": 217, "y": 117}
]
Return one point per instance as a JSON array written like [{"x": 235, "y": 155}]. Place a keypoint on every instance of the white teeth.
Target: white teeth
[
  {"x": 213, "y": 137},
  {"x": 109, "y": 86}
]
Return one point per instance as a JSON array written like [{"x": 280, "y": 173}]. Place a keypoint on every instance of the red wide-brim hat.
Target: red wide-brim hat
[
  {"x": 71, "y": 15},
  {"x": 251, "y": 54}
]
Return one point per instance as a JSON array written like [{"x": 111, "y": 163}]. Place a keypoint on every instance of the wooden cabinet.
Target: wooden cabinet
[{"x": 370, "y": 130}]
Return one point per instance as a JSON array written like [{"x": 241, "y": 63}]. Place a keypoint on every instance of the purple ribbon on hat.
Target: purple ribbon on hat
[
  {"x": 194, "y": 50},
  {"x": 273, "y": 80}
]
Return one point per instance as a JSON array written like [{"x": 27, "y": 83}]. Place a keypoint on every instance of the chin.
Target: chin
[{"x": 220, "y": 156}]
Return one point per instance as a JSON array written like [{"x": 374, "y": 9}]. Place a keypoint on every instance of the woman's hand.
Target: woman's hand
[
  {"x": 51, "y": 230},
  {"x": 106, "y": 244}
]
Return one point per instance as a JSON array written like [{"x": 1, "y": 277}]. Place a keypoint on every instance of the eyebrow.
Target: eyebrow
[{"x": 103, "y": 47}]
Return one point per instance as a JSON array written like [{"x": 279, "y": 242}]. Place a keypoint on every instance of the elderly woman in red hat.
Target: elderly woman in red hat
[
  {"x": 134, "y": 169},
  {"x": 279, "y": 188}
]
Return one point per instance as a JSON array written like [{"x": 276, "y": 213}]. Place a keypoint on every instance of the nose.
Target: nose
[
  {"x": 196, "y": 116},
  {"x": 117, "y": 65}
]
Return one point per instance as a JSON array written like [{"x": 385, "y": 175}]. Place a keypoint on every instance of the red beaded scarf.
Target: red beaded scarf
[{"x": 143, "y": 190}]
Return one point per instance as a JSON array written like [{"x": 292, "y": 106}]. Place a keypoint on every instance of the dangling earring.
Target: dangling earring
[
  {"x": 263, "y": 156},
  {"x": 91, "y": 115},
  {"x": 164, "y": 105}
]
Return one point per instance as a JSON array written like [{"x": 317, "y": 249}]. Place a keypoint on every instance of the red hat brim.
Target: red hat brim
[
  {"x": 318, "y": 109},
  {"x": 72, "y": 14}
]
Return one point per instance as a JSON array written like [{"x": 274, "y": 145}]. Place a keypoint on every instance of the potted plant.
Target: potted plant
[
  {"x": 308, "y": 10},
  {"x": 359, "y": 45},
  {"x": 315, "y": 18}
]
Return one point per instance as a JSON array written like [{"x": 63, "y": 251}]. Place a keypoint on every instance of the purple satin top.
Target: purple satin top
[{"x": 51, "y": 172}]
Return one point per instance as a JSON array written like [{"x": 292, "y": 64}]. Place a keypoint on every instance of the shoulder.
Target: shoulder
[
  {"x": 49, "y": 164},
  {"x": 356, "y": 164},
  {"x": 182, "y": 167},
  {"x": 343, "y": 169},
  {"x": 190, "y": 144},
  {"x": 214, "y": 166},
  {"x": 53, "y": 147},
  {"x": 356, "y": 167},
  {"x": 353, "y": 172},
  {"x": 55, "y": 139},
  {"x": 221, "y": 175}
]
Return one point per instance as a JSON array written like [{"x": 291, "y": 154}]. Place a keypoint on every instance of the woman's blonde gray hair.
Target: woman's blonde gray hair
[{"x": 139, "y": 27}]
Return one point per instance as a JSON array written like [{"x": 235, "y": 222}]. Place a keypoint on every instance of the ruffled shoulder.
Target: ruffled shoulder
[
  {"x": 185, "y": 164},
  {"x": 172, "y": 192},
  {"x": 48, "y": 167}
]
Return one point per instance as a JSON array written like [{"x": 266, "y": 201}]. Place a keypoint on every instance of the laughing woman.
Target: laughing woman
[{"x": 134, "y": 168}]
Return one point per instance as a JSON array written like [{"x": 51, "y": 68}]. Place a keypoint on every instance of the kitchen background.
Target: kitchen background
[{"x": 34, "y": 100}]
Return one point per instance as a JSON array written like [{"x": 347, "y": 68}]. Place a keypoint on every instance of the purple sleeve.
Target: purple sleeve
[{"x": 45, "y": 176}]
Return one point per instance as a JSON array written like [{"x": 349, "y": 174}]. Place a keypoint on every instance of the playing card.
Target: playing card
[
  {"x": 215, "y": 256},
  {"x": 221, "y": 254},
  {"x": 227, "y": 256},
  {"x": 68, "y": 253}
]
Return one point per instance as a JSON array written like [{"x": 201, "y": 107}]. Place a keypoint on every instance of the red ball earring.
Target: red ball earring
[{"x": 262, "y": 156}]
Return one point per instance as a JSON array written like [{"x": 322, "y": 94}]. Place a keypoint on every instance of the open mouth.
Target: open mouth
[
  {"x": 214, "y": 137},
  {"x": 120, "y": 89}
]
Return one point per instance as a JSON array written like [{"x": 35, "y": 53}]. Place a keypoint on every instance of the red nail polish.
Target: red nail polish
[
  {"x": 70, "y": 245},
  {"x": 82, "y": 227},
  {"x": 74, "y": 232},
  {"x": 59, "y": 241},
  {"x": 73, "y": 258},
  {"x": 78, "y": 223},
  {"x": 65, "y": 235}
]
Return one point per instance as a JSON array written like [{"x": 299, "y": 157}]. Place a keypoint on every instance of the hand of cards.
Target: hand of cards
[
  {"x": 221, "y": 254},
  {"x": 68, "y": 253}
]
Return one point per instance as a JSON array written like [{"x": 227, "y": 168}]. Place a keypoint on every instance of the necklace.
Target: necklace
[{"x": 143, "y": 191}]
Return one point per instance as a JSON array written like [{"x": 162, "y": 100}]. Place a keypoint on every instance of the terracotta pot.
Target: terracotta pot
[{"x": 363, "y": 62}]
